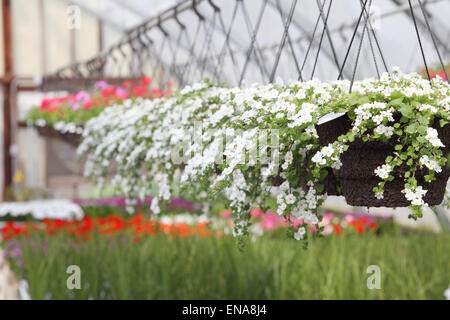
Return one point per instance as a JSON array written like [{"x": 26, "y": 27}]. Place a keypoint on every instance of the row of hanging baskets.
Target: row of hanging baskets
[{"x": 384, "y": 144}]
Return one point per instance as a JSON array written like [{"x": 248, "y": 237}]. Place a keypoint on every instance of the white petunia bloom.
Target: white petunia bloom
[
  {"x": 290, "y": 199},
  {"x": 415, "y": 196},
  {"x": 432, "y": 137},
  {"x": 383, "y": 171},
  {"x": 430, "y": 164},
  {"x": 300, "y": 233},
  {"x": 384, "y": 130}
]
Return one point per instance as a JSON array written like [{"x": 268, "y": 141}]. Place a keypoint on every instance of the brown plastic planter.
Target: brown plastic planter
[{"x": 357, "y": 178}]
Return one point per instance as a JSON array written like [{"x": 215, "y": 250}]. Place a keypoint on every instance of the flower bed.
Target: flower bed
[
  {"x": 87, "y": 228},
  {"x": 40, "y": 209},
  {"x": 182, "y": 224},
  {"x": 162, "y": 267},
  {"x": 249, "y": 145}
]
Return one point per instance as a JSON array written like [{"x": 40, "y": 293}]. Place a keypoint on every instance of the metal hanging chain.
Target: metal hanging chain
[
  {"x": 311, "y": 40},
  {"x": 253, "y": 39},
  {"x": 216, "y": 53},
  {"x": 434, "y": 40},
  {"x": 182, "y": 31},
  {"x": 307, "y": 35},
  {"x": 209, "y": 38},
  {"x": 226, "y": 46},
  {"x": 418, "y": 38},
  {"x": 181, "y": 71},
  {"x": 291, "y": 45},
  {"x": 174, "y": 51},
  {"x": 367, "y": 20},
  {"x": 375, "y": 37},
  {"x": 159, "y": 63},
  {"x": 330, "y": 40},
  {"x": 283, "y": 40},
  {"x": 351, "y": 41},
  {"x": 199, "y": 54},
  {"x": 193, "y": 55},
  {"x": 321, "y": 38},
  {"x": 122, "y": 61},
  {"x": 359, "y": 49},
  {"x": 191, "y": 46},
  {"x": 258, "y": 54}
]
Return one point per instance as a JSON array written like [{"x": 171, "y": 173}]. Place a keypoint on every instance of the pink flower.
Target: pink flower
[
  {"x": 101, "y": 84},
  {"x": 76, "y": 106},
  {"x": 225, "y": 213},
  {"x": 257, "y": 213},
  {"x": 121, "y": 94},
  {"x": 271, "y": 221},
  {"x": 82, "y": 96}
]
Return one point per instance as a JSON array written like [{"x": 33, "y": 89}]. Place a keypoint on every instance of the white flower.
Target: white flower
[
  {"x": 430, "y": 164},
  {"x": 383, "y": 171},
  {"x": 281, "y": 208},
  {"x": 154, "y": 206},
  {"x": 415, "y": 196},
  {"x": 300, "y": 234},
  {"x": 327, "y": 151},
  {"x": 428, "y": 107},
  {"x": 432, "y": 136},
  {"x": 447, "y": 294},
  {"x": 314, "y": 220},
  {"x": 318, "y": 158},
  {"x": 290, "y": 199},
  {"x": 379, "y": 195},
  {"x": 384, "y": 131}
]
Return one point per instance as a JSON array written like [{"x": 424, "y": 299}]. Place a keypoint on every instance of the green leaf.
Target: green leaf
[
  {"x": 320, "y": 188},
  {"x": 406, "y": 110}
]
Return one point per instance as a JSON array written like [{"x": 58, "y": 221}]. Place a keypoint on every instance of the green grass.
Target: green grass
[{"x": 415, "y": 266}]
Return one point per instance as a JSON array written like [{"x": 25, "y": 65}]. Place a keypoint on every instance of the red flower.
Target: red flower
[
  {"x": 108, "y": 91},
  {"x": 87, "y": 105},
  {"x": 126, "y": 84},
  {"x": 140, "y": 91},
  {"x": 337, "y": 228},
  {"x": 157, "y": 93},
  {"x": 146, "y": 81},
  {"x": 373, "y": 225}
]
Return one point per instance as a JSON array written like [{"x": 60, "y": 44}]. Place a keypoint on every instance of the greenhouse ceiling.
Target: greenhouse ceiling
[{"x": 237, "y": 27}]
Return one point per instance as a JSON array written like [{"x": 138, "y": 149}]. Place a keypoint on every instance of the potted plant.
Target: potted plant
[{"x": 357, "y": 177}]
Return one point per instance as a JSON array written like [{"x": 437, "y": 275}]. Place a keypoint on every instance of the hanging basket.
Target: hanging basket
[
  {"x": 357, "y": 177},
  {"x": 73, "y": 139}
]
